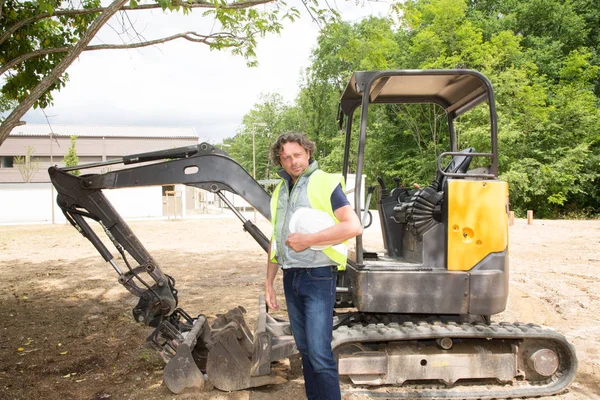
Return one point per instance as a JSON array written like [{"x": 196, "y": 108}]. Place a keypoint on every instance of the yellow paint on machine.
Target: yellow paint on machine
[{"x": 477, "y": 221}]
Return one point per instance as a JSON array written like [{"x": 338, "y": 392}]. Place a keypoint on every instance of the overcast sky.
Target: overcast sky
[{"x": 182, "y": 83}]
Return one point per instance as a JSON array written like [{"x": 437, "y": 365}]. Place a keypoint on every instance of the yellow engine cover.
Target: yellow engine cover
[{"x": 477, "y": 221}]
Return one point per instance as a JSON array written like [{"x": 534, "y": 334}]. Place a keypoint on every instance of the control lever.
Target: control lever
[
  {"x": 370, "y": 191},
  {"x": 384, "y": 191}
]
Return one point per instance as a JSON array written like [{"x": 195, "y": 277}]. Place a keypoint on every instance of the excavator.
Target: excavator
[{"x": 412, "y": 320}]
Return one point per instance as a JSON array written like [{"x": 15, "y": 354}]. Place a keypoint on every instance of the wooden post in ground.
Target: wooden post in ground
[
  {"x": 511, "y": 218},
  {"x": 529, "y": 217},
  {"x": 173, "y": 193}
]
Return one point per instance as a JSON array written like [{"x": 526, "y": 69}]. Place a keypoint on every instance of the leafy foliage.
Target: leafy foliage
[
  {"x": 543, "y": 60},
  {"x": 71, "y": 159},
  {"x": 265, "y": 121},
  {"x": 40, "y": 38},
  {"x": 27, "y": 165},
  {"x": 51, "y": 32}
]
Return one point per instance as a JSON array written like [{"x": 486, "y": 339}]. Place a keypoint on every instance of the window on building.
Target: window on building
[
  {"x": 7, "y": 161},
  {"x": 167, "y": 188}
]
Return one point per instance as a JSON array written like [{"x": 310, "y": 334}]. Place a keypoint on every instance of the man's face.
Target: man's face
[{"x": 294, "y": 159}]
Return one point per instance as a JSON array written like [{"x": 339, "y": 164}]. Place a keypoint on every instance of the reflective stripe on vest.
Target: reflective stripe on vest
[{"x": 274, "y": 200}]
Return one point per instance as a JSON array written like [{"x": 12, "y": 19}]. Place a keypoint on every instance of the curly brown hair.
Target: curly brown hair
[{"x": 287, "y": 137}]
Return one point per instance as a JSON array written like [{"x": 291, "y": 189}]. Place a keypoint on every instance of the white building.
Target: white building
[
  {"x": 93, "y": 144},
  {"x": 35, "y": 201}
]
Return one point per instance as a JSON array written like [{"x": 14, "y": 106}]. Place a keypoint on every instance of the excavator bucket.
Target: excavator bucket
[
  {"x": 237, "y": 358},
  {"x": 181, "y": 372}
]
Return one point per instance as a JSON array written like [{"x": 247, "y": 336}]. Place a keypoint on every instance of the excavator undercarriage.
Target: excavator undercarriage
[
  {"x": 411, "y": 321},
  {"x": 492, "y": 360}
]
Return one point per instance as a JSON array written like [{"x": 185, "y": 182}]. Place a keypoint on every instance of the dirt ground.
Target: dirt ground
[{"x": 67, "y": 330}]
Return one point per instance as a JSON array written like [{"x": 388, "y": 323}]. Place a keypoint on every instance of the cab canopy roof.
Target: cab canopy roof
[{"x": 457, "y": 91}]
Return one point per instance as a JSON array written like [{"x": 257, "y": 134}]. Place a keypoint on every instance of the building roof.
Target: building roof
[{"x": 105, "y": 131}]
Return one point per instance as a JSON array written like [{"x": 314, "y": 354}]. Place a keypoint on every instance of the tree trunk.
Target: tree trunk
[{"x": 13, "y": 119}]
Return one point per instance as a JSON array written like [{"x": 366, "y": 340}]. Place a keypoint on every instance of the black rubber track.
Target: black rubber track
[{"x": 394, "y": 332}]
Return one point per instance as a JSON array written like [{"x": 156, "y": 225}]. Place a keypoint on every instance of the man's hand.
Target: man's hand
[
  {"x": 272, "y": 268},
  {"x": 270, "y": 297},
  {"x": 298, "y": 241}
]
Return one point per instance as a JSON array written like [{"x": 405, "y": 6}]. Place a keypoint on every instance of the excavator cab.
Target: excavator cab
[
  {"x": 446, "y": 244},
  {"x": 423, "y": 304}
]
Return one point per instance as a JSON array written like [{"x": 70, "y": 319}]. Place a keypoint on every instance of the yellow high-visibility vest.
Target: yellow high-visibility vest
[{"x": 319, "y": 189}]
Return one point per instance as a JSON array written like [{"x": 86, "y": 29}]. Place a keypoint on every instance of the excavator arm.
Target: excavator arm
[{"x": 232, "y": 355}]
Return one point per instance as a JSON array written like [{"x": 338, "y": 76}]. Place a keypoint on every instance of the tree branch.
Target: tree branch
[
  {"x": 75, "y": 12},
  {"x": 13, "y": 118},
  {"x": 190, "y": 36}
]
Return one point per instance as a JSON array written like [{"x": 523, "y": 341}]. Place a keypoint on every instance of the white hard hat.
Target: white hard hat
[{"x": 309, "y": 220}]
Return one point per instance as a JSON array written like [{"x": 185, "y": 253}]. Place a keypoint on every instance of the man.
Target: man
[{"x": 309, "y": 260}]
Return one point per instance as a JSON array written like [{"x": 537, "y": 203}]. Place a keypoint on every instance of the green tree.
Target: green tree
[
  {"x": 544, "y": 75},
  {"x": 40, "y": 39},
  {"x": 545, "y": 80},
  {"x": 550, "y": 29},
  {"x": 71, "y": 159},
  {"x": 268, "y": 118},
  {"x": 27, "y": 165},
  {"x": 342, "y": 49}
]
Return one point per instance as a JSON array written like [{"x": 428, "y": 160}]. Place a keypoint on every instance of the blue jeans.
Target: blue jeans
[{"x": 310, "y": 296}]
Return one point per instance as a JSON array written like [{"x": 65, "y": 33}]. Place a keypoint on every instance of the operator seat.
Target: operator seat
[
  {"x": 458, "y": 165},
  {"x": 415, "y": 211},
  {"x": 424, "y": 208}
]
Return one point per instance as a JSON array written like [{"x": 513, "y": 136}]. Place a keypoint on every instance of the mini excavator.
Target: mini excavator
[{"x": 416, "y": 315}]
